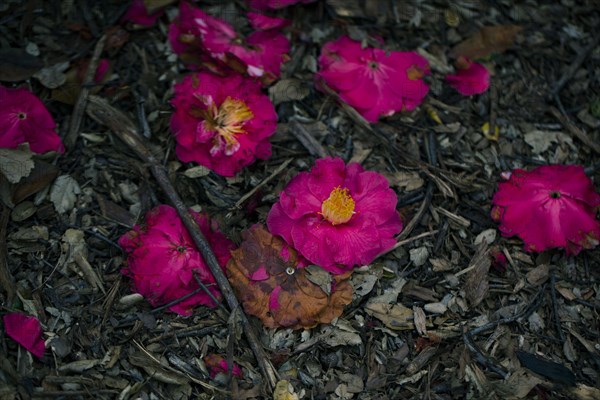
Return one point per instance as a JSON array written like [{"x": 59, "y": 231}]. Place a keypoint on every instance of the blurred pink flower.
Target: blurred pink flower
[
  {"x": 264, "y": 22},
  {"x": 218, "y": 365},
  {"x": 374, "y": 81},
  {"x": 222, "y": 123},
  {"x": 470, "y": 78},
  {"x": 550, "y": 206},
  {"x": 137, "y": 13},
  {"x": 194, "y": 35},
  {"x": 24, "y": 118},
  {"x": 337, "y": 216},
  {"x": 274, "y": 4},
  {"x": 26, "y": 331},
  {"x": 161, "y": 258}
]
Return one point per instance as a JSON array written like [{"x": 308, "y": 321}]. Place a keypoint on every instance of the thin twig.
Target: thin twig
[
  {"x": 308, "y": 141},
  {"x": 79, "y": 109},
  {"x": 575, "y": 65},
  {"x": 121, "y": 125},
  {"x": 7, "y": 281},
  {"x": 208, "y": 292},
  {"x": 555, "y": 315},
  {"x": 575, "y": 130}
]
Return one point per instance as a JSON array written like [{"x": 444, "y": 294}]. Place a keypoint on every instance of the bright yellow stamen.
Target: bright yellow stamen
[
  {"x": 339, "y": 206},
  {"x": 415, "y": 72},
  {"x": 227, "y": 121}
]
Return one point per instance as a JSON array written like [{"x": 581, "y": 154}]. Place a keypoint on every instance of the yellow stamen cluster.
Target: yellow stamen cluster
[
  {"x": 227, "y": 121},
  {"x": 339, "y": 206}
]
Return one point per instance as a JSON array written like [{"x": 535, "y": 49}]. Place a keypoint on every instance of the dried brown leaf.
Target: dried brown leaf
[
  {"x": 15, "y": 164},
  {"x": 488, "y": 40},
  {"x": 538, "y": 275},
  {"x": 477, "y": 284},
  {"x": 272, "y": 283},
  {"x": 394, "y": 316}
]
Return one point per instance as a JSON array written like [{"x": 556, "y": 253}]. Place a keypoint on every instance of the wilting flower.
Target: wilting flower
[
  {"x": 264, "y": 22},
  {"x": 337, "y": 216},
  {"x": 374, "y": 81},
  {"x": 162, "y": 259},
  {"x": 550, "y": 206},
  {"x": 274, "y": 4},
  {"x": 138, "y": 14},
  {"x": 470, "y": 78},
  {"x": 195, "y": 35},
  {"x": 278, "y": 286},
  {"x": 222, "y": 123},
  {"x": 24, "y": 118},
  {"x": 218, "y": 365},
  {"x": 26, "y": 331}
]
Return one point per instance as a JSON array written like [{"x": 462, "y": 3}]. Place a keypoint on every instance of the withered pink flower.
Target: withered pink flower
[
  {"x": 264, "y": 22},
  {"x": 222, "y": 123},
  {"x": 337, "y": 216},
  {"x": 24, "y": 118},
  {"x": 162, "y": 259},
  {"x": 26, "y": 331},
  {"x": 470, "y": 78},
  {"x": 138, "y": 14},
  {"x": 274, "y": 4},
  {"x": 374, "y": 81},
  {"x": 218, "y": 365},
  {"x": 549, "y": 206},
  {"x": 194, "y": 35}
]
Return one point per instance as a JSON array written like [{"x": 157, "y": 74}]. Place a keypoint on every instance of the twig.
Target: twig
[
  {"x": 401, "y": 243},
  {"x": 208, "y": 292},
  {"x": 6, "y": 279},
  {"x": 308, "y": 141},
  {"x": 103, "y": 113},
  {"x": 575, "y": 65},
  {"x": 79, "y": 109},
  {"x": 575, "y": 130},
  {"x": 555, "y": 315}
]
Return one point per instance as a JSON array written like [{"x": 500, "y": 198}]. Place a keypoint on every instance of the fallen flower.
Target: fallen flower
[
  {"x": 373, "y": 81},
  {"x": 470, "y": 78},
  {"x": 24, "y": 118},
  {"x": 194, "y": 35},
  {"x": 138, "y": 14},
  {"x": 264, "y": 22},
  {"x": 222, "y": 123},
  {"x": 548, "y": 207},
  {"x": 216, "y": 364},
  {"x": 278, "y": 286},
  {"x": 274, "y": 4},
  {"x": 26, "y": 331},
  {"x": 337, "y": 216},
  {"x": 162, "y": 259}
]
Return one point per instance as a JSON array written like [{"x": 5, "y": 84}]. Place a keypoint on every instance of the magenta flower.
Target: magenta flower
[
  {"x": 262, "y": 22},
  {"x": 550, "y": 206},
  {"x": 218, "y": 365},
  {"x": 161, "y": 259},
  {"x": 222, "y": 123},
  {"x": 138, "y": 14},
  {"x": 337, "y": 216},
  {"x": 274, "y": 4},
  {"x": 26, "y": 331},
  {"x": 470, "y": 78},
  {"x": 195, "y": 35},
  {"x": 24, "y": 118},
  {"x": 374, "y": 81}
]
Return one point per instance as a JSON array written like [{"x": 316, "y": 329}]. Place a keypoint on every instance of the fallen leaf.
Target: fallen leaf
[
  {"x": 15, "y": 164},
  {"x": 288, "y": 90},
  {"x": 488, "y": 40},
  {"x": 274, "y": 283},
  {"x": 41, "y": 176},
  {"x": 53, "y": 76},
  {"x": 17, "y": 65},
  {"x": 64, "y": 193},
  {"x": 284, "y": 391},
  {"x": 477, "y": 284},
  {"x": 407, "y": 181},
  {"x": 340, "y": 334},
  {"x": 394, "y": 316},
  {"x": 541, "y": 141},
  {"x": 538, "y": 275}
]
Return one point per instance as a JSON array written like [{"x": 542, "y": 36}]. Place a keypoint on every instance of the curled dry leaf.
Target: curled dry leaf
[
  {"x": 273, "y": 284},
  {"x": 488, "y": 40},
  {"x": 16, "y": 164}
]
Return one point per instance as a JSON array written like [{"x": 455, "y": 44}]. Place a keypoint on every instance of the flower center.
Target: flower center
[
  {"x": 415, "y": 72},
  {"x": 555, "y": 195},
  {"x": 373, "y": 65},
  {"x": 22, "y": 116},
  {"x": 227, "y": 121},
  {"x": 339, "y": 206}
]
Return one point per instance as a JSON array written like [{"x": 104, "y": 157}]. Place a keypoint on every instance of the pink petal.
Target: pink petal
[
  {"x": 274, "y": 298},
  {"x": 473, "y": 80},
  {"x": 26, "y": 331},
  {"x": 138, "y": 14},
  {"x": 260, "y": 274},
  {"x": 264, "y": 22}
]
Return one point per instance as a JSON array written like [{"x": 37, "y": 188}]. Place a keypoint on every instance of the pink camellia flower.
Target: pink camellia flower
[
  {"x": 374, "y": 81},
  {"x": 24, "y": 118},
  {"x": 195, "y": 35},
  {"x": 218, "y": 365},
  {"x": 470, "y": 78},
  {"x": 264, "y": 22},
  {"x": 138, "y": 14},
  {"x": 222, "y": 123},
  {"x": 337, "y": 216},
  {"x": 550, "y": 206},
  {"x": 26, "y": 331},
  {"x": 274, "y": 4},
  {"x": 162, "y": 258}
]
